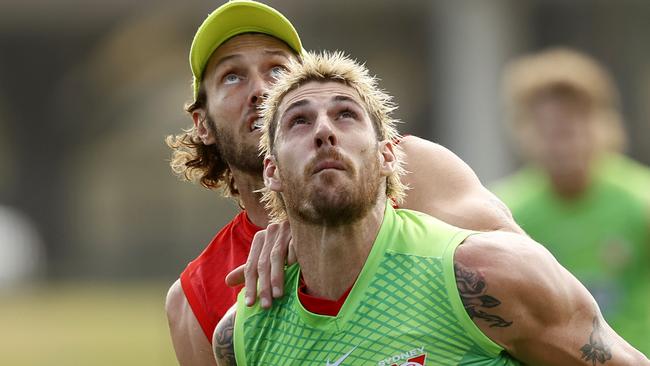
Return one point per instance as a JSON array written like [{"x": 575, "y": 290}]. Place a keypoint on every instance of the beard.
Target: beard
[
  {"x": 333, "y": 202},
  {"x": 240, "y": 156}
]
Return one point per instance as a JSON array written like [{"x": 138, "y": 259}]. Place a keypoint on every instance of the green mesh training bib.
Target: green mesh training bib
[
  {"x": 602, "y": 237},
  {"x": 403, "y": 310}
]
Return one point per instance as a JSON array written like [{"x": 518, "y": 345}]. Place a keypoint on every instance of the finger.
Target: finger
[
  {"x": 264, "y": 268},
  {"x": 291, "y": 256},
  {"x": 279, "y": 258},
  {"x": 236, "y": 276},
  {"x": 250, "y": 270}
]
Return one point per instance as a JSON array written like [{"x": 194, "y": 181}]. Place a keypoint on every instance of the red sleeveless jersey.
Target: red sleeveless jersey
[{"x": 203, "y": 281}]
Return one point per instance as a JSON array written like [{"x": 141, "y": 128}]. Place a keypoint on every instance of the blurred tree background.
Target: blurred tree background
[{"x": 94, "y": 226}]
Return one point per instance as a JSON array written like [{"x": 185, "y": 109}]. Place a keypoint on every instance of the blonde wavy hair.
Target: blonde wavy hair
[
  {"x": 562, "y": 70},
  {"x": 322, "y": 67}
]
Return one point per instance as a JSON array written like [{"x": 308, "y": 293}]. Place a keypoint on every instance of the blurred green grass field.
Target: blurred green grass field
[{"x": 85, "y": 324}]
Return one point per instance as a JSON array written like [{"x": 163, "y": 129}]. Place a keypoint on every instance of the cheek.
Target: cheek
[
  {"x": 288, "y": 160},
  {"x": 227, "y": 100}
]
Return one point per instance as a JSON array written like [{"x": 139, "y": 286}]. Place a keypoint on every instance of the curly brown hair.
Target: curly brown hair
[{"x": 196, "y": 162}]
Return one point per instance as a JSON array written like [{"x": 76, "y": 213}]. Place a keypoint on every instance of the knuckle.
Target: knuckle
[
  {"x": 262, "y": 263},
  {"x": 259, "y": 236},
  {"x": 249, "y": 270},
  {"x": 277, "y": 253}
]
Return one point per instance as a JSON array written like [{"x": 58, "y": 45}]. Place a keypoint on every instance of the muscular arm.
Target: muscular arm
[
  {"x": 443, "y": 186},
  {"x": 523, "y": 299},
  {"x": 190, "y": 344},
  {"x": 223, "y": 341}
]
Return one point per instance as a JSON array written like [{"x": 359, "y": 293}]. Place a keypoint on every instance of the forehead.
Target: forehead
[
  {"x": 319, "y": 91},
  {"x": 249, "y": 44}
]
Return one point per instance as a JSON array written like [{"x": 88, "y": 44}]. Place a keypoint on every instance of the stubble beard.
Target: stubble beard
[
  {"x": 323, "y": 205},
  {"x": 240, "y": 156}
]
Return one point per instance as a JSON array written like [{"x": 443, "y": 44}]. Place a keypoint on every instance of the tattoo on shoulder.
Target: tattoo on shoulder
[
  {"x": 472, "y": 288},
  {"x": 224, "y": 349},
  {"x": 596, "y": 350}
]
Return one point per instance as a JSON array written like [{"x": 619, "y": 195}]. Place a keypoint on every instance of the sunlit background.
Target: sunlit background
[{"x": 94, "y": 226}]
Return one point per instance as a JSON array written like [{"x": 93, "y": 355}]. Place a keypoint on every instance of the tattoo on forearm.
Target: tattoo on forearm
[
  {"x": 224, "y": 349},
  {"x": 472, "y": 288},
  {"x": 596, "y": 350}
]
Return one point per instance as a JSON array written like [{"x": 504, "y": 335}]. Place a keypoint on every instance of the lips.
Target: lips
[
  {"x": 254, "y": 121},
  {"x": 257, "y": 124},
  {"x": 328, "y": 164}
]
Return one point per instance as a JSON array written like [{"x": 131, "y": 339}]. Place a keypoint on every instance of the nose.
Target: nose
[
  {"x": 325, "y": 135},
  {"x": 257, "y": 90}
]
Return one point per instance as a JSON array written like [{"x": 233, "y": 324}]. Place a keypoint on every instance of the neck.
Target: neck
[
  {"x": 571, "y": 186},
  {"x": 247, "y": 185},
  {"x": 331, "y": 257}
]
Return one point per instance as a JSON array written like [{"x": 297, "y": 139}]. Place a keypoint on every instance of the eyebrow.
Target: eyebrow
[
  {"x": 276, "y": 53},
  {"x": 344, "y": 98},
  {"x": 336, "y": 98},
  {"x": 226, "y": 58},
  {"x": 237, "y": 56},
  {"x": 295, "y": 105}
]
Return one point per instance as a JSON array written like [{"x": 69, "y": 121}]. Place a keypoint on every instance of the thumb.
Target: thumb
[{"x": 236, "y": 276}]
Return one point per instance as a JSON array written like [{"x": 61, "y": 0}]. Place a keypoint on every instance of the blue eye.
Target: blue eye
[
  {"x": 231, "y": 79},
  {"x": 276, "y": 71}
]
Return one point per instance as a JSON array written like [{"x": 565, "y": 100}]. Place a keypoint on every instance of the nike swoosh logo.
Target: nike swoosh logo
[{"x": 340, "y": 360}]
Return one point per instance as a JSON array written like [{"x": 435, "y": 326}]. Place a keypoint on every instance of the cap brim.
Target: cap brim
[{"x": 231, "y": 19}]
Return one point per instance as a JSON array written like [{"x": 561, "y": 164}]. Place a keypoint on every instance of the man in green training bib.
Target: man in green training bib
[
  {"x": 577, "y": 194},
  {"x": 380, "y": 286}
]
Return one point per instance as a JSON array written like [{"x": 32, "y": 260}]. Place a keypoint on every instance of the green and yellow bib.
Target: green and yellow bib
[{"x": 403, "y": 310}]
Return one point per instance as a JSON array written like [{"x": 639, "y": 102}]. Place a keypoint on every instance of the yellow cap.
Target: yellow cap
[{"x": 234, "y": 18}]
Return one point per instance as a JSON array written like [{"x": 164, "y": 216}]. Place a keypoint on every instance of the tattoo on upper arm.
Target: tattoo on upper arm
[
  {"x": 596, "y": 350},
  {"x": 472, "y": 288},
  {"x": 224, "y": 350}
]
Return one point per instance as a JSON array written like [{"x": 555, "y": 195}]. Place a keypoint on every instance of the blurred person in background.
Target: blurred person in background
[
  {"x": 21, "y": 249},
  {"x": 235, "y": 55},
  {"x": 577, "y": 193}
]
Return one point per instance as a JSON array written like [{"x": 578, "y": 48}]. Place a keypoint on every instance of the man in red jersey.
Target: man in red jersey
[{"x": 235, "y": 55}]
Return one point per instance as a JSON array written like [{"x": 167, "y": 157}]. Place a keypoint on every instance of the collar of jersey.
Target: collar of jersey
[{"x": 386, "y": 232}]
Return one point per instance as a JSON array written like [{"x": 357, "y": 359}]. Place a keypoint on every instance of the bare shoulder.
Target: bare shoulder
[
  {"x": 190, "y": 343},
  {"x": 523, "y": 299},
  {"x": 175, "y": 299},
  {"x": 501, "y": 276},
  {"x": 522, "y": 271},
  {"x": 499, "y": 250}
]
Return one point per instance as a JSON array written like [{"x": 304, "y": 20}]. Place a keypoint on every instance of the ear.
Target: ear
[
  {"x": 201, "y": 124},
  {"x": 387, "y": 158},
  {"x": 272, "y": 174}
]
